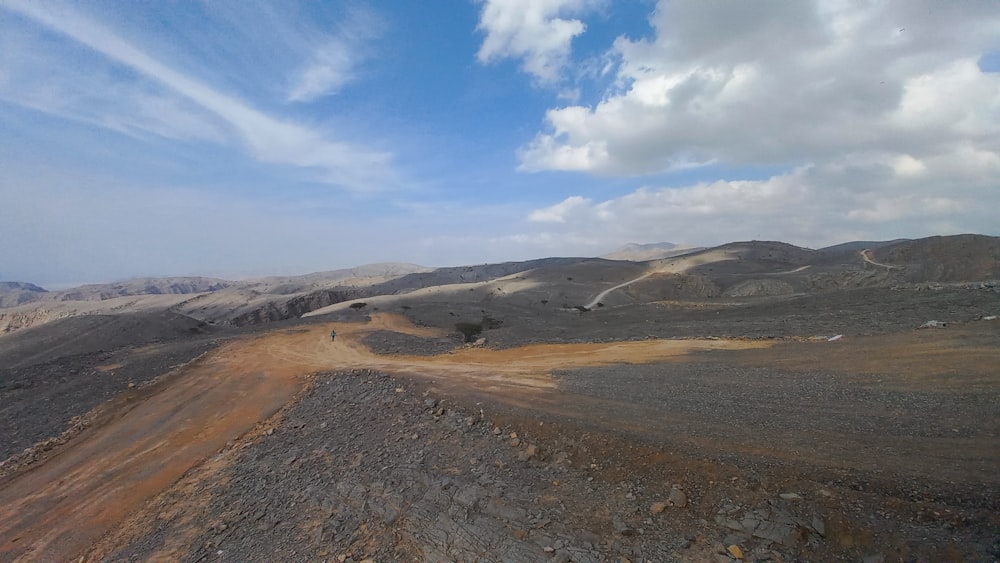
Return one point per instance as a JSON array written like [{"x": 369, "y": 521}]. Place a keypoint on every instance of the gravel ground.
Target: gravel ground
[
  {"x": 851, "y": 312},
  {"x": 41, "y": 400},
  {"x": 812, "y": 417},
  {"x": 369, "y": 466},
  {"x": 388, "y": 342}
]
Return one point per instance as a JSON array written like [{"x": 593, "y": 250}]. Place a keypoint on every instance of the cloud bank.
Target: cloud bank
[{"x": 878, "y": 112}]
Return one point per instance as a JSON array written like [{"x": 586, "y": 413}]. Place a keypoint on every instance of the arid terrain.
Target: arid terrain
[{"x": 750, "y": 402}]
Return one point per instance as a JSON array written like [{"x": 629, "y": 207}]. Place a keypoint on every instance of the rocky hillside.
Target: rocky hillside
[
  {"x": 17, "y": 293},
  {"x": 945, "y": 259},
  {"x": 744, "y": 270}
]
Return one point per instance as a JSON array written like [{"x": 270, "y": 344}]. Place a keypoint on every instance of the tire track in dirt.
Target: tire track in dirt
[{"x": 54, "y": 511}]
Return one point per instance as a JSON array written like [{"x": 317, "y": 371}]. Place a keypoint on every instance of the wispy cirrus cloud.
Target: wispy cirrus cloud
[
  {"x": 334, "y": 62},
  {"x": 268, "y": 138}
]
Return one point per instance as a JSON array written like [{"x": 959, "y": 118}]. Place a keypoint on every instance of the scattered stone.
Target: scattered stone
[
  {"x": 934, "y": 324},
  {"x": 515, "y": 442},
  {"x": 873, "y": 558},
  {"x": 819, "y": 526},
  {"x": 790, "y": 496},
  {"x": 657, "y": 507},
  {"x": 677, "y": 498},
  {"x": 587, "y": 538},
  {"x": 735, "y": 551},
  {"x": 621, "y": 527}
]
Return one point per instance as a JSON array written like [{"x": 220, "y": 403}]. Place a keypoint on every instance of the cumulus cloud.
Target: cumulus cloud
[
  {"x": 268, "y": 138},
  {"x": 539, "y": 32},
  {"x": 784, "y": 84},
  {"x": 855, "y": 197}
]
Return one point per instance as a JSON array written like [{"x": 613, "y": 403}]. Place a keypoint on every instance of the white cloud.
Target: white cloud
[
  {"x": 535, "y": 31},
  {"x": 816, "y": 205},
  {"x": 331, "y": 68},
  {"x": 88, "y": 95},
  {"x": 334, "y": 63},
  {"x": 558, "y": 212},
  {"x": 268, "y": 138},
  {"x": 782, "y": 83}
]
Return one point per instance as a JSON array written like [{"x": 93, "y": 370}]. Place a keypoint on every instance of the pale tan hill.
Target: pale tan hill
[
  {"x": 210, "y": 300},
  {"x": 13, "y": 294},
  {"x": 140, "y": 286}
]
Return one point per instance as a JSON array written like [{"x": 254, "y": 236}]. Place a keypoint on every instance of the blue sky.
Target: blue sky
[{"x": 237, "y": 139}]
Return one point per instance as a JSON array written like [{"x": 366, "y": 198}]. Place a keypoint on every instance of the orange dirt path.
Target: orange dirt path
[{"x": 56, "y": 510}]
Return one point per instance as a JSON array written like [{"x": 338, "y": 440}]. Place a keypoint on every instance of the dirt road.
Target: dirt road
[
  {"x": 867, "y": 256},
  {"x": 56, "y": 510}
]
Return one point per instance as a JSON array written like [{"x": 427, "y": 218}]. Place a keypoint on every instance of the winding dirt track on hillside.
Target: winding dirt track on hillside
[
  {"x": 56, "y": 510},
  {"x": 868, "y": 257}
]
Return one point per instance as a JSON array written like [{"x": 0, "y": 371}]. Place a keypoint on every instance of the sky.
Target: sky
[{"x": 240, "y": 139}]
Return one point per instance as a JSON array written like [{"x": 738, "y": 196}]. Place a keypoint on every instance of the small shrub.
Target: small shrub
[
  {"x": 359, "y": 305},
  {"x": 581, "y": 308},
  {"x": 545, "y": 301},
  {"x": 470, "y": 331}
]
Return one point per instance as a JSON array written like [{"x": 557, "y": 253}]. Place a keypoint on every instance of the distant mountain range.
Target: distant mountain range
[{"x": 666, "y": 271}]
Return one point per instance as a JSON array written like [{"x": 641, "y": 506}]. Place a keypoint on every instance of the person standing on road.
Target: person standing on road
[{"x": 333, "y": 335}]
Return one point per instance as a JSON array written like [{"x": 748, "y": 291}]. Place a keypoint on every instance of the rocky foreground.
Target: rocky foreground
[{"x": 368, "y": 466}]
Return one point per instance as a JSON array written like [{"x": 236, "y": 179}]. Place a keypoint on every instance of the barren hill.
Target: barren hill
[
  {"x": 17, "y": 293},
  {"x": 745, "y": 270},
  {"x": 755, "y": 401},
  {"x": 945, "y": 259}
]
